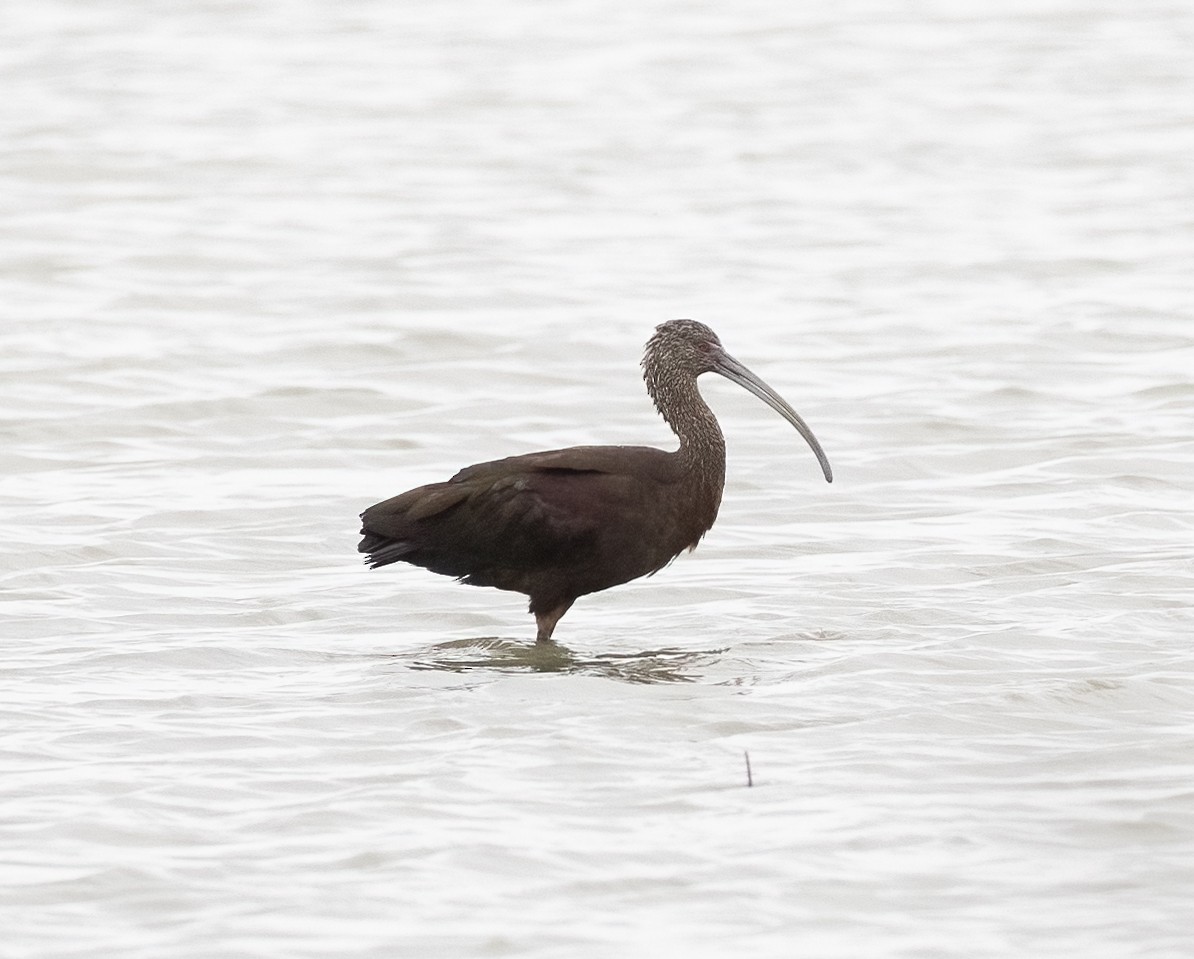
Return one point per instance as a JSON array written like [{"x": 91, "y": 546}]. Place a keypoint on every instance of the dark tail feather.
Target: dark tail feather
[{"x": 382, "y": 550}]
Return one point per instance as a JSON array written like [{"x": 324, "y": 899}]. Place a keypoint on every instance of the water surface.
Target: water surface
[{"x": 265, "y": 264}]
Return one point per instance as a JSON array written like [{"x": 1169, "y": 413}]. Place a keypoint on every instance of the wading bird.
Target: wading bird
[{"x": 561, "y": 524}]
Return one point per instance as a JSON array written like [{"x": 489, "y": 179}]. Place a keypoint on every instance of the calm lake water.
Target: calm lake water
[{"x": 266, "y": 263}]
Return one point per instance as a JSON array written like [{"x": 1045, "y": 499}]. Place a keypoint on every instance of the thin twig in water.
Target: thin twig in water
[{"x": 750, "y": 781}]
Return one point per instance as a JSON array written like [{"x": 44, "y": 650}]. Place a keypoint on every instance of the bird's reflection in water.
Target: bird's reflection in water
[{"x": 506, "y": 655}]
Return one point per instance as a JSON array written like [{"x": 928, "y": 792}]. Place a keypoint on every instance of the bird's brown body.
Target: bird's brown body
[{"x": 561, "y": 524}]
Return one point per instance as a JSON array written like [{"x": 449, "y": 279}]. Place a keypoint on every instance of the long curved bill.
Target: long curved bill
[{"x": 732, "y": 370}]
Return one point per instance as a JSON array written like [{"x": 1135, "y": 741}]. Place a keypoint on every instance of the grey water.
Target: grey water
[{"x": 263, "y": 264}]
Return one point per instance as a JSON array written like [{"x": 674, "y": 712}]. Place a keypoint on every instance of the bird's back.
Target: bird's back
[{"x": 556, "y": 524}]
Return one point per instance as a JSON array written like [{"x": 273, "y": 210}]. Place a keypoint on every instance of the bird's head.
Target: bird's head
[
  {"x": 681, "y": 350},
  {"x": 683, "y": 346}
]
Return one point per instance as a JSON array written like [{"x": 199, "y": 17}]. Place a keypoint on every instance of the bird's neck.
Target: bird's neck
[{"x": 702, "y": 447}]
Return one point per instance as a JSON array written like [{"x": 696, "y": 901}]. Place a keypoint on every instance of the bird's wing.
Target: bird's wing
[
  {"x": 521, "y": 513},
  {"x": 644, "y": 461},
  {"x": 533, "y": 510}
]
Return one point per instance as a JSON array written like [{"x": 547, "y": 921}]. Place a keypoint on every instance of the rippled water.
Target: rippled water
[{"x": 264, "y": 264}]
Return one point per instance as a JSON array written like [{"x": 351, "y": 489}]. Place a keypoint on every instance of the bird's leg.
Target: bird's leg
[{"x": 546, "y": 620}]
